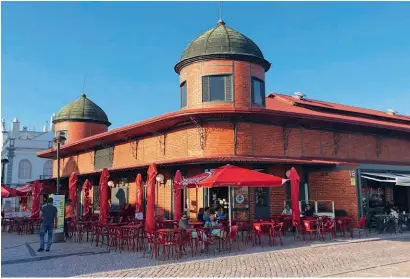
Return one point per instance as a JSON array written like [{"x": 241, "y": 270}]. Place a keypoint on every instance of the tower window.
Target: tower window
[
  {"x": 183, "y": 94},
  {"x": 217, "y": 88},
  {"x": 258, "y": 91}
]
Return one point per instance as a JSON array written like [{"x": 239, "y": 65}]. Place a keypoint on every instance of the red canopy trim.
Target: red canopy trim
[{"x": 233, "y": 176}]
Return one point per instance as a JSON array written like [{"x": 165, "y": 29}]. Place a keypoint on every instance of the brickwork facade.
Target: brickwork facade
[{"x": 79, "y": 130}]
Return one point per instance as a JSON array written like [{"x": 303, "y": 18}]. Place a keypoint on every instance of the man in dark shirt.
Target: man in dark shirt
[
  {"x": 308, "y": 211},
  {"x": 48, "y": 222}
]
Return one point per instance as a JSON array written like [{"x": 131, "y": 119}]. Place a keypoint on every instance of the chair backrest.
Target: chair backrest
[
  {"x": 363, "y": 221},
  {"x": 234, "y": 231}
]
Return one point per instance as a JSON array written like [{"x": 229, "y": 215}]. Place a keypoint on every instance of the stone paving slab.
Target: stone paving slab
[{"x": 295, "y": 258}]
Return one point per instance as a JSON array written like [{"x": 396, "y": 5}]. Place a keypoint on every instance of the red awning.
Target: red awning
[
  {"x": 233, "y": 176},
  {"x": 27, "y": 189},
  {"x": 7, "y": 192}
]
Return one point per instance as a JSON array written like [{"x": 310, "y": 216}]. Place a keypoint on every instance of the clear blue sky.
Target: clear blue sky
[{"x": 355, "y": 53}]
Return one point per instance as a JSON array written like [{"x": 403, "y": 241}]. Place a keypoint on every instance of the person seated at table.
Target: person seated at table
[
  {"x": 287, "y": 211},
  {"x": 308, "y": 211},
  {"x": 387, "y": 207},
  {"x": 220, "y": 215},
  {"x": 200, "y": 215},
  {"x": 206, "y": 214},
  {"x": 212, "y": 222}
]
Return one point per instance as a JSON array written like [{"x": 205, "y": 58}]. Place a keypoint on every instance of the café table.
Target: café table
[{"x": 197, "y": 224}]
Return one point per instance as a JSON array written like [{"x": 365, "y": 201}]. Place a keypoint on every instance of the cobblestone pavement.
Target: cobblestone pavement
[{"x": 365, "y": 257}]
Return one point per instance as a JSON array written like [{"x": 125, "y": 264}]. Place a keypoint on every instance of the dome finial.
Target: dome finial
[
  {"x": 220, "y": 21},
  {"x": 84, "y": 96}
]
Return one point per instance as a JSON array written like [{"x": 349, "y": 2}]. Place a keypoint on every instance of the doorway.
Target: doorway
[
  {"x": 262, "y": 208},
  {"x": 218, "y": 198},
  {"x": 401, "y": 197}
]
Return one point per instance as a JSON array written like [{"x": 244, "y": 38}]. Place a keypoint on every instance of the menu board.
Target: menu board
[{"x": 58, "y": 201}]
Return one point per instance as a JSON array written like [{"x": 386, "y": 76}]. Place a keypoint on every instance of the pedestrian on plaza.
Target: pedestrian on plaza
[
  {"x": 69, "y": 213},
  {"x": 48, "y": 215}
]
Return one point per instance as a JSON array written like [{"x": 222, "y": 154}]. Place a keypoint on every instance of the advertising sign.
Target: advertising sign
[{"x": 59, "y": 202}]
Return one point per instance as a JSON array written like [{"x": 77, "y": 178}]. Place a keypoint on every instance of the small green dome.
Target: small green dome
[
  {"x": 222, "y": 43},
  {"x": 83, "y": 110}
]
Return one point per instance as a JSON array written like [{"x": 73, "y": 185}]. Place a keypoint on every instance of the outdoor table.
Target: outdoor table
[
  {"x": 166, "y": 223},
  {"x": 196, "y": 224},
  {"x": 384, "y": 222},
  {"x": 132, "y": 226}
]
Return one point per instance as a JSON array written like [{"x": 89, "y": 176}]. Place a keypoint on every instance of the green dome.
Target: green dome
[
  {"x": 222, "y": 43},
  {"x": 84, "y": 110}
]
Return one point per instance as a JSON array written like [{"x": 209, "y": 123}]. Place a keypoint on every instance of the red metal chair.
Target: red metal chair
[
  {"x": 328, "y": 226},
  {"x": 362, "y": 225},
  {"x": 228, "y": 237},
  {"x": 276, "y": 231},
  {"x": 311, "y": 227},
  {"x": 170, "y": 242}
]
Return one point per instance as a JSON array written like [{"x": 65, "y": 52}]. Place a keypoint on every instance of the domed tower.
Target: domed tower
[
  {"x": 222, "y": 68},
  {"x": 80, "y": 119}
]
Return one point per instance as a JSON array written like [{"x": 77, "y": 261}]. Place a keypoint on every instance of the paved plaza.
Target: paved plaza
[{"x": 386, "y": 255}]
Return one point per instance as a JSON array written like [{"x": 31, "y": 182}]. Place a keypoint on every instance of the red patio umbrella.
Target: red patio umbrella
[
  {"x": 105, "y": 175},
  {"x": 177, "y": 196},
  {"x": 86, "y": 202},
  {"x": 233, "y": 176},
  {"x": 139, "y": 193},
  {"x": 8, "y": 192},
  {"x": 294, "y": 191},
  {"x": 72, "y": 190},
  {"x": 35, "y": 204},
  {"x": 150, "y": 215}
]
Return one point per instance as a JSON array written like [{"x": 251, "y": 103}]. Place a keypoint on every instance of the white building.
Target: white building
[{"x": 20, "y": 147}]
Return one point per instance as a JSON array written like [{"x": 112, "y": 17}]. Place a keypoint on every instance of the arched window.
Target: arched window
[
  {"x": 48, "y": 169},
  {"x": 25, "y": 169}
]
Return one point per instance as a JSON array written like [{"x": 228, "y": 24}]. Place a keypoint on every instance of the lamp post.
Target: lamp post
[
  {"x": 160, "y": 179},
  {"x": 58, "y": 236},
  {"x": 59, "y": 140},
  {"x": 4, "y": 161}
]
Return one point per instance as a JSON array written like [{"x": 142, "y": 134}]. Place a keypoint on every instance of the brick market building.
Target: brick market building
[{"x": 225, "y": 118}]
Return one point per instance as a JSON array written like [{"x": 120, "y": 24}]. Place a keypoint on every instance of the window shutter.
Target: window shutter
[
  {"x": 228, "y": 89},
  {"x": 263, "y": 92},
  {"x": 205, "y": 89}
]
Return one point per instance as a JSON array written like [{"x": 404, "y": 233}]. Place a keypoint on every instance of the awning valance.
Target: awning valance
[{"x": 396, "y": 178}]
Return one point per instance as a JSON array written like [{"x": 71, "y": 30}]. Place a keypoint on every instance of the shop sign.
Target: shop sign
[
  {"x": 59, "y": 202},
  {"x": 239, "y": 198}
]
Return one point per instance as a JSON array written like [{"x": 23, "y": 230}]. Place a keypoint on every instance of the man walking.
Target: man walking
[{"x": 48, "y": 222}]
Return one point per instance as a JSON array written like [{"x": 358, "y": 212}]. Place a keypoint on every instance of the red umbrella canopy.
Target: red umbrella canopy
[
  {"x": 150, "y": 214},
  {"x": 72, "y": 189},
  {"x": 8, "y": 192},
  {"x": 36, "y": 189},
  {"x": 105, "y": 175},
  {"x": 140, "y": 192},
  {"x": 177, "y": 196},
  {"x": 230, "y": 175},
  {"x": 86, "y": 203},
  {"x": 294, "y": 191}
]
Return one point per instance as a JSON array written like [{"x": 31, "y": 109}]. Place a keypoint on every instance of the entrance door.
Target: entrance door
[{"x": 262, "y": 210}]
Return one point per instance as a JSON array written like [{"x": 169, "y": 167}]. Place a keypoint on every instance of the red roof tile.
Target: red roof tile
[{"x": 285, "y": 103}]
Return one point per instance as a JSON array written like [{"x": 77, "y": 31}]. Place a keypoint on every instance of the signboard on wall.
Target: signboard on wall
[
  {"x": 353, "y": 178},
  {"x": 59, "y": 202}
]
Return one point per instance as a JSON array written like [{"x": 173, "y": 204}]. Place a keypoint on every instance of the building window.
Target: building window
[
  {"x": 258, "y": 92},
  {"x": 25, "y": 169},
  {"x": 48, "y": 169},
  {"x": 217, "y": 88},
  {"x": 103, "y": 158},
  {"x": 183, "y": 94}
]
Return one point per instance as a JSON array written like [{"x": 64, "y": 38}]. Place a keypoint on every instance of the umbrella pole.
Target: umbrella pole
[{"x": 230, "y": 206}]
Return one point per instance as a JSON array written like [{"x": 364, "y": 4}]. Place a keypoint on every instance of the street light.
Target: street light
[
  {"x": 59, "y": 140},
  {"x": 4, "y": 161}
]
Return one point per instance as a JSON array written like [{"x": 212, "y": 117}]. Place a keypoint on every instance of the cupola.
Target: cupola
[{"x": 222, "y": 68}]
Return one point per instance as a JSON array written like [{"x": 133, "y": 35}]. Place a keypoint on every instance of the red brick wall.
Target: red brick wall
[
  {"x": 336, "y": 186},
  {"x": 80, "y": 130},
  {"x": 242, "y": 71},
  {"x": 252, "y": 139}
]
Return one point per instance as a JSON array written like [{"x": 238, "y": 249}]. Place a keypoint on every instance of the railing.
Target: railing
[{"x": 321, "y": 207}]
